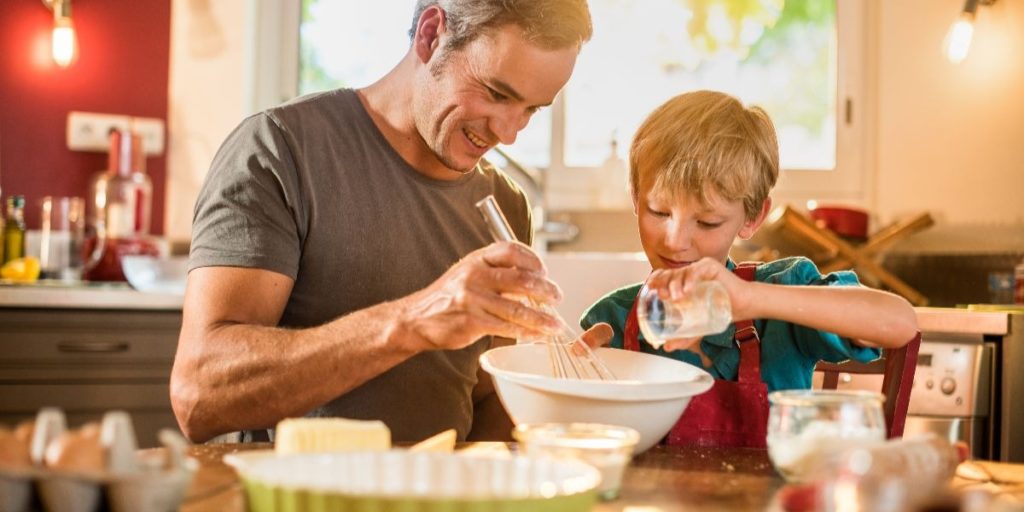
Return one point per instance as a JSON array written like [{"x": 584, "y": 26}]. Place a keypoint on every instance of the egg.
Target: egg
[
  {"x": 77, "y": 450},
  {"x": 24, "y": 432},
  {"x": 13, "y": 452}
]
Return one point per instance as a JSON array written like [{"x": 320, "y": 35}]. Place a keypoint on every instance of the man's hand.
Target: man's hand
[
  {"x": 477, "y": 297},
  {"x": 598, "y": 335}
]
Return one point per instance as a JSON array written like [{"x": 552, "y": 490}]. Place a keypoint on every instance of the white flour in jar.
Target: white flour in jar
[{"x": 796, "y": 456}]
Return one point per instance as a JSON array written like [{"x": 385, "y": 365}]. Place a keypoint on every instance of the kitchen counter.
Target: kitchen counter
[
  {"x": 662, "y": 479},
  {"x": 964, "y": 321},
  {"x": 85, "y": 296}
]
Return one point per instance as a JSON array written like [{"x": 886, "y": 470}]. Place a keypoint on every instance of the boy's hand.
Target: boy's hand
[
  {"x": 681, "y": 344},
  {"x": 675, "y": 283}
]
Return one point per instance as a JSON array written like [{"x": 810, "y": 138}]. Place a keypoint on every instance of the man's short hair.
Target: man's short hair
[
  {"x": 549, "y": 24},
  {"x": 707, "y": 141}
]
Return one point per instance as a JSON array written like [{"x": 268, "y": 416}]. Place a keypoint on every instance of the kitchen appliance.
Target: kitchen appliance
[
  {"x": 119, "y": 209},
  {"x": 953, "y": 392},
  {"x": 967, "y": 380}
]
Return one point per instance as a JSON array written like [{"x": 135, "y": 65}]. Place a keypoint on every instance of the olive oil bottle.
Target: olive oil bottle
[{"x": 14, "y": 229}]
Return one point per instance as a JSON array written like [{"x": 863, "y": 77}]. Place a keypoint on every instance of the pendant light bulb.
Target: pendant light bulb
[
  {"x": 63, "y": 42},
  {"x": 958, "y": 39}
]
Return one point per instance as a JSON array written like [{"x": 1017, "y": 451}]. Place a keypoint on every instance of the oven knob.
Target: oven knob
[{"x": 948, "y": 386}]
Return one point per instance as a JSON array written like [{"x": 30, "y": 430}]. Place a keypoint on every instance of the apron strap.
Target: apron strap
[
  {"x": 630, "y": 338},
  {"x": 750, "y": 353},
  {"x": 746, "y": 336}
]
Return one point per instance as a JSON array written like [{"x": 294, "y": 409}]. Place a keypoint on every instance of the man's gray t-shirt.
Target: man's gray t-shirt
[{"x": 313, "y": 190}]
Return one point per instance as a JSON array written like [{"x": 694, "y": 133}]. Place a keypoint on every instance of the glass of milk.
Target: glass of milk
[{"x": 808, "y": 429}]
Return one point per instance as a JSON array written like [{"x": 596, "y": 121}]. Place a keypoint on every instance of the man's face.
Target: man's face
[
  {"x": 676, "y": 229},
  {"x": 469, "y": 100}
]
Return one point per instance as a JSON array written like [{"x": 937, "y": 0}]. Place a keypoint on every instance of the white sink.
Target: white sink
[{"x": 587, "y": 276}]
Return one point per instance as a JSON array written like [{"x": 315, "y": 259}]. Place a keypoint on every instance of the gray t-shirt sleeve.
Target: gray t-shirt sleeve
[{"x": 245, "y": 215}]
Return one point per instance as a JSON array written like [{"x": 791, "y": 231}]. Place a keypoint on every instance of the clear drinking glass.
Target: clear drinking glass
[
  {"x": 62, "y": 237},
  {"x": 705, "y": 310},
  {"x": 808, "y": 429}
]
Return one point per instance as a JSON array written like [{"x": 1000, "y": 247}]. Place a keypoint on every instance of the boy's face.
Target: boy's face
[{"x": 676, "y": 229}]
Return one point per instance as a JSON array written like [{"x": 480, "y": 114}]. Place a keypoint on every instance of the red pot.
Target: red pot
[{"x": 843, "y": 221}]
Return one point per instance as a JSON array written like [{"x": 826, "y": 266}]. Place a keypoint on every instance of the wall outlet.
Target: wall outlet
[{"x": 87, "y": 131}]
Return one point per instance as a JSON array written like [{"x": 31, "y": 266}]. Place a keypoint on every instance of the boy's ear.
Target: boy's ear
[
  {"x": 751, "y": 226},
  {"x": 429, "y": 29}
]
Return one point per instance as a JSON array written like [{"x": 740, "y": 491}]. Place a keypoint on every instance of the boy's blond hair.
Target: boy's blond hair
[{"x": 705, "y": 141}]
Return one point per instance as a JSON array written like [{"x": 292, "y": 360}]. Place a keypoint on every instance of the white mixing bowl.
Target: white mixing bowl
[
  {"x": 156, "y": 275},
  {"x": 649, "y": 395}
]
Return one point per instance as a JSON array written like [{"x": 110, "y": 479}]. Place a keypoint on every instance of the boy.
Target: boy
[{"x": 701, "y": 168}]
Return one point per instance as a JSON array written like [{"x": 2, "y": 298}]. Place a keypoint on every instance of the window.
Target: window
[{"x": 801, "y": 60}]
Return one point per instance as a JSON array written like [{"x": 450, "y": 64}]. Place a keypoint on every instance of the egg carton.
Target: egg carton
[{"x": 131, "y": 481}]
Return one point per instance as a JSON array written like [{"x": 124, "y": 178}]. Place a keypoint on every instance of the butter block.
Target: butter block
[
  {"x": 314, "y": 435},
  {"x": 443, "y": 443}
]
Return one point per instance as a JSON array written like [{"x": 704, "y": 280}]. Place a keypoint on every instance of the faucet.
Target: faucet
[{"x": 532, "y": 181}]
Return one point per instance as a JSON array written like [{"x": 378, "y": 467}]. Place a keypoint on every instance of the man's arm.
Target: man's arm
[{"x": 236, "y": 370}]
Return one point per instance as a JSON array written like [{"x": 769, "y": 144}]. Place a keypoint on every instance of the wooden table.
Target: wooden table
[{"x": 661, "y": 479}]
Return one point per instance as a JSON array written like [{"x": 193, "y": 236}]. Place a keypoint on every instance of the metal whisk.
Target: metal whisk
[{"x": 571, "y": 357}]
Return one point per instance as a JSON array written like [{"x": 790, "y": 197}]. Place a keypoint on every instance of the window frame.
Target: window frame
[{"x": 273, "y": 62}]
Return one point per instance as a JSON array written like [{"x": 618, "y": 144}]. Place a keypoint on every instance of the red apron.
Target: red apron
[{"x": 731, "y": 414}]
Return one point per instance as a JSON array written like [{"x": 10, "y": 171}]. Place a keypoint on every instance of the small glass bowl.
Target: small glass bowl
[
  {"x": 608, "y": 448},
  {"x": 808, "y": 428}
]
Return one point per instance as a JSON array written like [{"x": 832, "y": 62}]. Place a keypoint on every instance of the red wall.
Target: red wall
[{"x": 122, "y": 68}]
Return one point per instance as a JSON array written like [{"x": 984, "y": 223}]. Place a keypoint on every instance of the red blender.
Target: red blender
[{"x": 120, "y": 203}]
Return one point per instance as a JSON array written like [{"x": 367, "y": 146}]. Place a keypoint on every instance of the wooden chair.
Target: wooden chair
[{"x": 898, "y": 367}]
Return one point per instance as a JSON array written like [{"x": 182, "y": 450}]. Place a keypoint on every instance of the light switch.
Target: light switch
[{"x": 87, "y": 131}]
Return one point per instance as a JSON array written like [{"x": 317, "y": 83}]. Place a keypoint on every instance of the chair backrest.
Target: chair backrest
[{"x": 898, "y": 367}]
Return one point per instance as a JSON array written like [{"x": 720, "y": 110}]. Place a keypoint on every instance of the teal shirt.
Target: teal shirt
[{"x": 789, "y": 351}]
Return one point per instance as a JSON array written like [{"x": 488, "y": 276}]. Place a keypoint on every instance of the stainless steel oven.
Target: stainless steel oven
[
  {"x": 969, "y": 381},
  {"x": 953, "y": 391},
  {"x": 995, "y": 337}
]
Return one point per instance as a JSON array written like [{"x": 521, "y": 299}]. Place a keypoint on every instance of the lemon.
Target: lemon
[{"x": 22, "y": 270}]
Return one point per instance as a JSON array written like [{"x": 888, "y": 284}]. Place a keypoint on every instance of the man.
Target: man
[{"x": 338, "y": 265}]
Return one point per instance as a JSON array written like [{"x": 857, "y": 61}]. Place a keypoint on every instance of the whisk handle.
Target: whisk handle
[{"x": 495, "y": 219}]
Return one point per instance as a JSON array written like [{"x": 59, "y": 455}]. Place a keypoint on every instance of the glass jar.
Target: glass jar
[
  {"x": 606, "y": 447},
  {"x": 705, "y": 310},
  {"x": 808, "y": 429}
]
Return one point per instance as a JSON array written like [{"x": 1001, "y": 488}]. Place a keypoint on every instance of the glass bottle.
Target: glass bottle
[
  {"x": 14, "y": 229},
  {"x": 613, "y": 181},
  {"x": 898, "y": 475}
]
